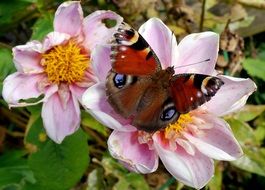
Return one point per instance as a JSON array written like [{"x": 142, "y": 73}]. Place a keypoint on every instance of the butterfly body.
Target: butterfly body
[{"x": 138, "y": 88}]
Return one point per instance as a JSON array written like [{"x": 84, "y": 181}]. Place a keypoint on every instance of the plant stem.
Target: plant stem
[{"x": 202, "y": 15}]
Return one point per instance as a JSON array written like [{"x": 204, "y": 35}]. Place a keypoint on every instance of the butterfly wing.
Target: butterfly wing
[
  {"x": 124, "y": 92},
  {"x": 133, "y": 63},
  {"x": 156, "y": 110},
  {"x": 150, "y": 106},
  {"x": 189, "y": 91},
  {"x": 131, "y": 54}
]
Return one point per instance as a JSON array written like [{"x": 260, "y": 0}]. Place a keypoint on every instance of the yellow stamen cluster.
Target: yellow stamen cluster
[
  {"x": 172, "y": 130},
  {"x": 65, "y": 63}
]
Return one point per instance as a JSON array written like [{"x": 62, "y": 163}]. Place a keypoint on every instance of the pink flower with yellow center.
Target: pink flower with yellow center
[
  {"x": 59, "y": 67},
  {"x": 188, "y": 146}
]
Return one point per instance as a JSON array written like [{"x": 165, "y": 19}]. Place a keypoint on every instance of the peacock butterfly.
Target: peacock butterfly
[{"x": 138, "y": 88}]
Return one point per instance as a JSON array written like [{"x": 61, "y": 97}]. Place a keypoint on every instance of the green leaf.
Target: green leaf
[
  {"x": 260, "y": 132},
  {"x": 12, "y": 12},
  {"x": 126, "y": 180},
  {"x": 11, "y": 156},
  {"x": 249, "y": 112},
  {"x": 34, "y": 129},
  {"x": 137, "y": 181},
  {"x": 121, "y": 184},
  {"x": 14, "y": 170},
  {"x": 180, "y": 186},
  {"x": 35, "y": 110},
  {"x": 243, "y": 132},
  {"x": 111, "y": 166},
  {"x": 216, "y": 181},
  {"x": 6, "y": 65},
  {"x": 57, "y": 166},
  {"x": 29, "y": 186},
  {"x": 252, "y": 161},
  {"x": 261, "y": 53},
  {"x": 42, "y": 27},
  {"x": 30, "y": 1},
  {"x": 89, "y": 121},
  {"x": 255, "y": 67}
]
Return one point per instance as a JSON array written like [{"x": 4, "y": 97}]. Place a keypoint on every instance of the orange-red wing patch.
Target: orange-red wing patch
[
  {"x": 131, "y": 54},
  {"x": 134, "y": 62},
  {"x": 192, "y": 90}
]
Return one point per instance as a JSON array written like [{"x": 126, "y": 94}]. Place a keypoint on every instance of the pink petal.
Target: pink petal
[
  {"x": 64, "y": 94},
  {"x": 54, "y": 39},
  {"x": 217, "y": 142},
  {"x": 195, "y": 171},
  {"x": 60, "y": 122},
  {"x": 79, "y": 88},
  {"x": 137, "y": 157},
  {"x": 27, "y": 57},
  {"x": 100, "y": 62},
  {"x": 88, "y": 80},
  {"x": 186, "y": 145},
  {"x": 95, "y": 30},
  {"x": 18, "y": 86},
  {"x": 196, "y": 48},
  {"x": 95, "y": 102},
  {"x": 231, "y": 96},
  {"x": 77, "y": 91},
  {"x": 161, "y": 40},
  {"x": 68, "y": 18}
]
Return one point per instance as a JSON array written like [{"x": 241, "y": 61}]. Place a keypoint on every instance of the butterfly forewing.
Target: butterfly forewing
[
  {"x": 131, "y": 54},
  {"x": 189, "y": 91}
]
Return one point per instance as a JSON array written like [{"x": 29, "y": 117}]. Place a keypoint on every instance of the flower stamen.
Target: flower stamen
[
  {"x": 172, "y": 131},
  {"x": 65, "y": 63},
  {"x": 145, "y": 138}
]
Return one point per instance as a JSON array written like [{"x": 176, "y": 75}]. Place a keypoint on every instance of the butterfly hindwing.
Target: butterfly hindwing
[
  {"x": 189, "y": 91},
  {"x": 131, "y": 54},
  {"x": 155, "y": 110},
  {"x": 124, "y": 92}
]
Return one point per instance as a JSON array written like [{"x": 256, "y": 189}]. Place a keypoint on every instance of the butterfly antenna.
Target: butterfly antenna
[
  {"x": 171, "y": 43},
  {"x": 206, "y": 60}
]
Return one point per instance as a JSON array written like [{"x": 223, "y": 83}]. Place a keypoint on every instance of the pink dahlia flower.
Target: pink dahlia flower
[
  {"x": 186, "y": 148},
  {"x": 59, "y": 68}
]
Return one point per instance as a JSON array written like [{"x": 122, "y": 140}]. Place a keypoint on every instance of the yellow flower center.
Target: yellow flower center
[
  {"x": 65, "y": 63},
  {"x": 172, "y": 131}
]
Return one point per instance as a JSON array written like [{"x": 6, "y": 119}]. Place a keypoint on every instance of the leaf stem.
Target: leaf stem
[
  {"x": 4, "y": 45},
  {"x": 100, "y": 141}
]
